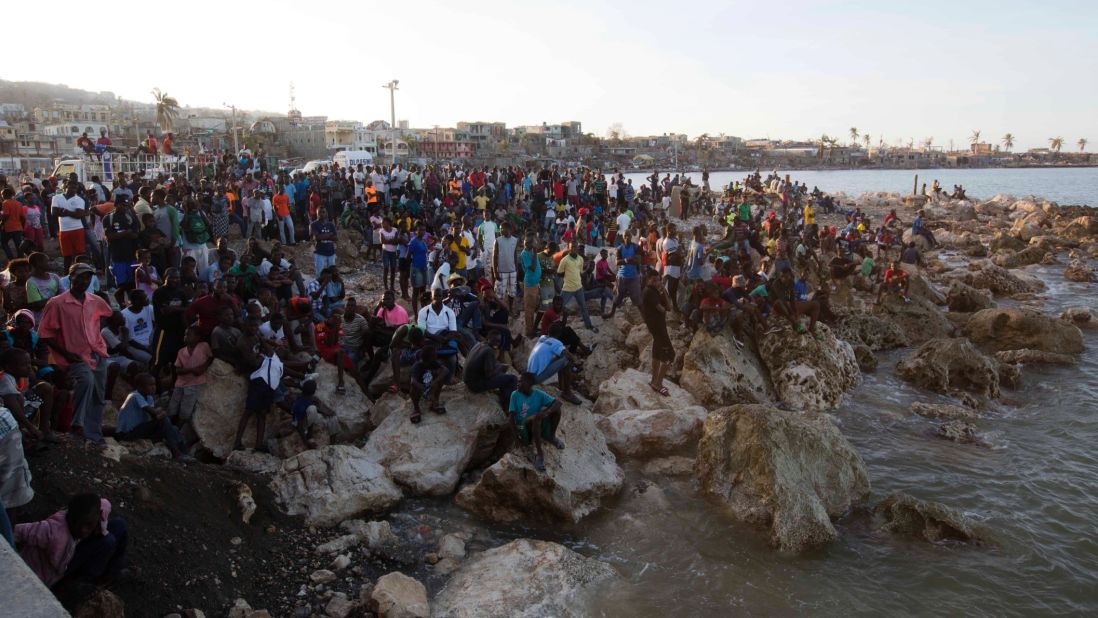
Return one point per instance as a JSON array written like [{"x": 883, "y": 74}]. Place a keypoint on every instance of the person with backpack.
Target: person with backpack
[{"x": 196, "y": 233}]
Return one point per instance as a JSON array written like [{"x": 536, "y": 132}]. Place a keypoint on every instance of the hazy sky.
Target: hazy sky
[{"x": 754, "y": 69}]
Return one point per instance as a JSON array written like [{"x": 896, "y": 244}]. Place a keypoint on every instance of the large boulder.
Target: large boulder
[
  {"x": 1079, "y": 271},
  {"x": 395, "y": 595},
  {"x": 629, "y": 389},
  {"x": 875, "y": 332},
  {"x": 522, "y": 579},
  {"x": 1032, "y": 254},
  {"x": 1015, "y": 329},
  {"x": 807, "y": 373},
  {"x": 965, "y": 298},
  {"x": 612, "y": 353},
  {"x": 791, "y": 472},
  {"x": 647, "y": 433},
  {"x": 348, "y": 248},
  {"x": 221, "y": 405},
  {"x": 575, "y": 481},
  {"x": 934, "y": 522},
  {"x": 1005, "y": 242},
  {"x": 919, "y": 320},
  {"x": 1081, "y": 317},
  {"x": 429, "y": 457},
  {"x": 716, "y": 372},
  {"x": 334, "y": 483},
  {"x": 1081, "y": 227},
  {"x": 1034, "y": 357},
  {"x": 945, "y": 365}
]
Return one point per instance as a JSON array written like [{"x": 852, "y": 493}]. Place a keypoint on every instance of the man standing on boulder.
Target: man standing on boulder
[{"x": 654, "y": 307}]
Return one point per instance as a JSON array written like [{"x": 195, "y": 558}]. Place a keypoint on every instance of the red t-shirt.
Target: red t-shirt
[
  {"x": 547, "y": 320},
  {"x": 13, "y": 215}
]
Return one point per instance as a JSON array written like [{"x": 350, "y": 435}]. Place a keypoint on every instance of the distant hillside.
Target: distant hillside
[{"x": 38, "y": 94}]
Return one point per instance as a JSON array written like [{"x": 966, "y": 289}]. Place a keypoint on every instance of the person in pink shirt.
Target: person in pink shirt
[
  {"x": 191, "y": 363},
  {"x": 389, "y": 314},
  {"x": 75, "y": 549},
  {"x": 70, "y": 329}
]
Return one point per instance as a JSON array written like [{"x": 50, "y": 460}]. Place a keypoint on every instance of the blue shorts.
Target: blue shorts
[
  {"x": 551, "y": 370},
  {"x": 419, "y": 277},
  {"x": 260, "y": 396},
  {"x": 123, "y": 272}
]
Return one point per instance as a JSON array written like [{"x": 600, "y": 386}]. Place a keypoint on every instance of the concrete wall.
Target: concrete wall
[{"x": 24, "y": 594}]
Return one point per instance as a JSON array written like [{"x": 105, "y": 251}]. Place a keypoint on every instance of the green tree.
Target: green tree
[
  {"x": 1008, "y": 141},
  {"x": 167, "y": 108}
]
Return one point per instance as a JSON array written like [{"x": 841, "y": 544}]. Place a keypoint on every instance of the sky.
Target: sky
[{"x": 791, "y": 70}]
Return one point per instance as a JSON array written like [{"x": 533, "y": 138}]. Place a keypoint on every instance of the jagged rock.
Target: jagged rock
[
  {"x": 452, "y": 547},
  {"x": 1078, "y": 271},
  {"x": 1015, "y": 329},
  {"x": 611, "y": 353},
  {"x": 669, "y": 466},
  {"x": 873, "y": 331},
  {"x": 522, "y": 579},
  {"x": 959, "y": 431},
  {"x": 1006, "y": 242},
  {"x": 574, "y": 484},
  {"x": 921, "y": 243},
  {"x": 945, "y": 364},
  {"x": 808, "y": 374},
  {"x": 101, "y": 604},
  {"x": 339, "y": 606},
  {"x": 919, "y": 319},
  {"x": 254, "y": 462},
  {"x": 374, "y": 533},
  {"x": 222, "y": 403},
  {"x": 429, "y": 457},
  {"x": 943, "y": 411},
  {"x": 1081, "y": 317},
  {"x": 321, "y": 576},
  {"x": 333, "y": 483},
  {"x": 965, "y": 298},
  {"x": 788, "y": 471},
  {"x": 1081, "y": 227},
  {"x": 644, "y": 433},
  {"x": 1034, "y": 357},
  {"x": 348, "y": 247},
  {"x": 906, "y": 515},
  {"x": 985, "y": 275},
  {"x": 867, "y": 360},
  {"x": 629, "y": 389},
  {"x": 717, "y": 372},
  {"x": 395, "y": 595},
  {"x": 920, "y": 287},
  {"x": 1028, "y": 226},
  {"x": 338, "y": 544},
  {"x": 1032, "y": 254}
]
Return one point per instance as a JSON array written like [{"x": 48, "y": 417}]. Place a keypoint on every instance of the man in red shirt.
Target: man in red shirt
[
  {"x": 13, "y": 215},
  {"x": 70, "y": 329},
  {"x": 207, "y": 308},
  {"x": 896, "y": 281}
]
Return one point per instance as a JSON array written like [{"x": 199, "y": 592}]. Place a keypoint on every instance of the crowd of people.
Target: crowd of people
[{"x": 145, "y": 287}]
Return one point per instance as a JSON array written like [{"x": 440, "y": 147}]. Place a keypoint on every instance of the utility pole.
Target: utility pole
[
  {"x": 236, "y": 143},
  {"x": 392, "y": 86}
]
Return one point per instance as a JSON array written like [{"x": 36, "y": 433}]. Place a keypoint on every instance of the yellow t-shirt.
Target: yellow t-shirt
[
  {"x": 481, "y": 201},
  {"x": 809, "y": 215},
  {"x": 572, "y": 268},
  {"x": 460, "y": 247}
]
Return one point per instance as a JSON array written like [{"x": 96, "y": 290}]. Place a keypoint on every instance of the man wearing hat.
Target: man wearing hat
[{"x": 70, "y": 329}]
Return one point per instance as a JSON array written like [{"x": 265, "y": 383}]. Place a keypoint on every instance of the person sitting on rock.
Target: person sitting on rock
[
  {"x": 896, "y": 281},
  {"x": 429, "y": 375},
  {"x": 483, "y": 372},
  {"x": 783, "y": 299},
  {"x": 551, "y": 358},
  {"x": 307, "y": 414},
  {"x": 75, "y": 549},
  {"x": 535, "y": 415},
  {"x": 141, "y": 419},
  {"x": 440, "y": 325}
]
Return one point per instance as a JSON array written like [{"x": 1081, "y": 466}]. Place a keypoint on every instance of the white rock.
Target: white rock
[
  {"x": 400, "y": 596},
  {"x": 452, "y": 547},
  {"x": 717, "y": 372},
  {"x": 808, "y": 374},
  {"x": 333, "y": 483},
  {"x": 629, "y": 389},
  {"x": 644, "y": 433}
]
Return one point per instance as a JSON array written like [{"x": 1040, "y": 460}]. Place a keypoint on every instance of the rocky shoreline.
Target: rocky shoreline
[{"x": 754, "y": 426}]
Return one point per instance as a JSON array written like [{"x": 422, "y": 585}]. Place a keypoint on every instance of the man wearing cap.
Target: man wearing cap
[{"x": 70, "y": 329}]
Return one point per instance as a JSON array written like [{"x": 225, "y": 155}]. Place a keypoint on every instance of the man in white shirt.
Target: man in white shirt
[
  {"x": 440, "y": 322},
  {"x": 70, "y": 210},
  {"x": 624, "y": 221},
  {"x": 360, "y": 181}
]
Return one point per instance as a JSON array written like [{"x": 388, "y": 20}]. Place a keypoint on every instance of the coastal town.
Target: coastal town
[{"x": 41, "y": 123}]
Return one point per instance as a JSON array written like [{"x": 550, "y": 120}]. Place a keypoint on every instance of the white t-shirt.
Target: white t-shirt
[
  {"x": 435, "y": 323},
  {"x": 441, "y": 275},
  {"x": 140, "y": 324},
  {"x": 269, "y": 333},
  {"x": 73, "y": 204},
  {"x": 488, "y": 235},
  {"x": 623, "y": 223}
]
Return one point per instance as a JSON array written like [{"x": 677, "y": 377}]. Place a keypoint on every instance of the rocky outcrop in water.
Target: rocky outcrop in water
[
  {"x": 334, "y": 483},
  {"x": 945, "y": 365},
  {"x": 1034, "y": 357},
  {"x": 574, "y": 484},
  {"x": 985, "y": 275},
  {"x": 875, "y": 332},
  {"x": 429, "y": 457},
  {"x": 934, "y": 522},
  {"x": 792, "y": 473},
  {"x": 648, "y": 433},
  {"x": 1016, "y": 329},
  {"x": 522, "y": 579},
  {"x": 716, "y": 372},
  {"x": 1080, "y": 317},
  {"x": 1079, "y": 272},
  {"x": 808, "y": 374},
  {"x": 943, "y": 411},
  {"x": 967, "y": 299}
]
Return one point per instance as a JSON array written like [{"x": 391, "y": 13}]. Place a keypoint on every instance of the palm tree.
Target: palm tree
[
  {"x": 854, "y": 135},
  {"x": 975, "y": 137},
  {"x": 928, "y": 142},
  {"x": 1082, "y": 143},
  {"x": 1008, "y": 141},
  {"x": 1056, "y": 143},
  {"x": 167, "y": 108},
  {"x": 867, "y": 139}
]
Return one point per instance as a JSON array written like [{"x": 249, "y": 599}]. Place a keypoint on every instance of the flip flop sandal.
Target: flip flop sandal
[
  {"x": 416, "y": 418},
  {"x": 341, "y": 389},
  {"x": 393, "y": 389},
  {"x": 661, "y": 390},
  {"x": 440, "y": 410}
]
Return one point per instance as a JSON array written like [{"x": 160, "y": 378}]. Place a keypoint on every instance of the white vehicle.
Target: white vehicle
[
  {"x": 351, "y": 159},
  {"x": 316, "y": 164},
  {"x": 107, "y": 165}
]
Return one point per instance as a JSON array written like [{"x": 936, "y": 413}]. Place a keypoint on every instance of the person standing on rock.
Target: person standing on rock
[
  {"x": 323, "y": 232},
  {"x": 70, "y": 329},
  {"x": 654, "y": 307},
  {"x": 428, "y": 377},
  {"x": 536, "y": 416}
]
